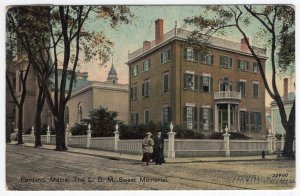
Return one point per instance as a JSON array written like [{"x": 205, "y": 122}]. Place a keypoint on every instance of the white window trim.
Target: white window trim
[
  {"x": 243, "y": 109},
  {"x": 255, "y": 82},
  {"x": 206, "y": 74},
  {"x": 205, "y": 106},
  {"x": 190, "y": 72},
  {"x": 242, "y": 80},
  {"x": 190, "y": 104}
]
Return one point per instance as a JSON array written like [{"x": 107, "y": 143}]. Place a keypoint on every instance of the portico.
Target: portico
[{"x": 227, "y": 110}]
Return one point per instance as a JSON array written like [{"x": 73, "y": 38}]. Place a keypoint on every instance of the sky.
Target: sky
[{"x": 130, "y": 38}]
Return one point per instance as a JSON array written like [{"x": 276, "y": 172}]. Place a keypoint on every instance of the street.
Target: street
[{"x": 39, "y": 169}]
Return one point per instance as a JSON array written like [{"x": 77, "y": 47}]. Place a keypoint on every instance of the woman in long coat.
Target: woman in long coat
[{"x": 147, "y": 145}]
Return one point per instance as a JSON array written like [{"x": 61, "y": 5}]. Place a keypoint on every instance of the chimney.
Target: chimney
[
  {"x": 244, "y": 46},
  {"x": 159, "y": 30},
  {"x": 285, "y": 88},
  {"x": 146, "y": 45}
]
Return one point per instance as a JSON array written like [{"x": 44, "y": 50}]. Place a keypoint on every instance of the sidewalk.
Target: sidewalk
[{"x": 130, "y": 157}]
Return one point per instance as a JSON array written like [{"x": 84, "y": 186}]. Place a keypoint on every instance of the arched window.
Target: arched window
[
  {"x": 225, "y": 85},
  {"x": 79, "y": 113},
  {"x": 66, "y": 115}
]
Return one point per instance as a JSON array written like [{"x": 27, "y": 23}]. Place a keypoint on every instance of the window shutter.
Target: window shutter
[
  {"x": 221, "y": 64},
  {"x": 230, "y": 63},
  {"x": 195, "y": 114},
  {"x": 169, "y": 54},
  {"x": 211, "y": 85},
  {"x": 247, "y": 121},
  {"x": 184, "y": 80},
  {"x": 196, "y": 81},
  {"x": 201, "y": 118},
  {"x": 211, "y": 118},
  {"x": 161, "y": 57},
  {"x": 201, "y": 83},
  {"x": 143, "y": 89},
  {"x": 184, "y": 113},
  {"x": 247, "y": 65},
  {"x": 212, "y": 59},
  {"x": 251, "y": 120},
  {"x": 169, "y": 114},
  {"x": 131, "y": 93},
  {"x": 185, "y": 53},
  {"x": 239, "y": 64},
  {"x": 135, "y": 92},
  {"x": 195, "y": 117},
  {"x": 137, "y": 118},
  {"x": 148, "y": 63}
]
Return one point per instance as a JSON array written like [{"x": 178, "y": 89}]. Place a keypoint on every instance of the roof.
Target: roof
[
  {"x": 182, "y": 34},
  {"x": 291, "y": 98},
  {"x": 112, "y": 70}
]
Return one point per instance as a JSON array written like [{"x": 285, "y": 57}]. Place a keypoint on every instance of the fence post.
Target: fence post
[
  {"x": 48, "y": 134},
  {"x": 282, "y": 142},
  {"x": 171, "y": 142},
  {"x": 226, "y": 136},
  {"x": 89, "y": 136},
  {"x": 67, "y": 135},
  {"x": 32, "y": 134},
  {"x": 270, "y": 140},
  {"x": 117, "y": 138}
]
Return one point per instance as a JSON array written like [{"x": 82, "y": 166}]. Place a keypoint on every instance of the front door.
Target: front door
[{"x": 223, "y": 119}]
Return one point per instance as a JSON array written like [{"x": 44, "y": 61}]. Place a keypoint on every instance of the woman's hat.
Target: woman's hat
[{"x": 148, "y": 133}]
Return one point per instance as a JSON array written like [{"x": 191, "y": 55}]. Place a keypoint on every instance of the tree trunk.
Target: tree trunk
[
  {"x": 20, "y": 126},
  {"x": 60, "y": 132},
  {"x": 8, "y": 133},
  {"x": 290, "y": 135},
  {"x": 39, "y": 108}
]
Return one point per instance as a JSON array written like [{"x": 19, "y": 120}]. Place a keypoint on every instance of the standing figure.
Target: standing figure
[
  {"x": 147, "y": 147},
  {"x": 158, "y": 149}
]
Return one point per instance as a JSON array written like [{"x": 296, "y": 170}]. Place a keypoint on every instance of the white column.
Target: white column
[
  {"x": 48, "y": 134},
  {"x": 67, "y": 135},
  {"x": 88, "y": 137},
  {"x": 117, "y": 138},
  {"x": 282, "y": 142},
  {"x": 171, "y": 145},
  {"x": 228, "y": 117},
  {"x": 226, "y": 144},
  {"x": 32, "y": 134},
  {"x": 270, "y": 146},
  {"x": 216, "y": 118}
]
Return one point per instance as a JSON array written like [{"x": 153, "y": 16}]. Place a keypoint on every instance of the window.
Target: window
[
  {"x": 134, "y": 119},
  {"x": 166, "y": 111},
  {"x": 255, "y": 90},
  {"x": 146, "y": 117},
  {"x": 243, "y": 120},
  {"x": 226, "y": 62},
  {"x": 134, "y": 70},
  {"x": 206, "y": 58},
  {"x": 189, "y": 82},
  {"x": 255, "y": 121},
  {"x": 241, "y": 87},
  {"x": 255, "y": 67},
  {"x": 133, "y": 92},
  {"x": 206, "y": 83},
  {"x": 190, "y": 54},
  {"x": 165, "y": 56},
  {"x": 206, "y": 118},
  {"x": 79, "y": 113},
  {"x": 225, "y": 85},
  {"x": 145, "y": 89},
  {"x": 146, "y": 65},
  {"x": 243, "y": 65},
  {"x": 190, "y": 116},
  {"x": 166, "y": 82}
]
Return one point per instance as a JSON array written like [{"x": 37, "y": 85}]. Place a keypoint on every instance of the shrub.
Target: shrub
[
  {"x": 233, "y": 135},
  {"x": 79, "y": 129},
  {"x": 216, "y": 135},
  {"x": 278, "y": 136}
]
